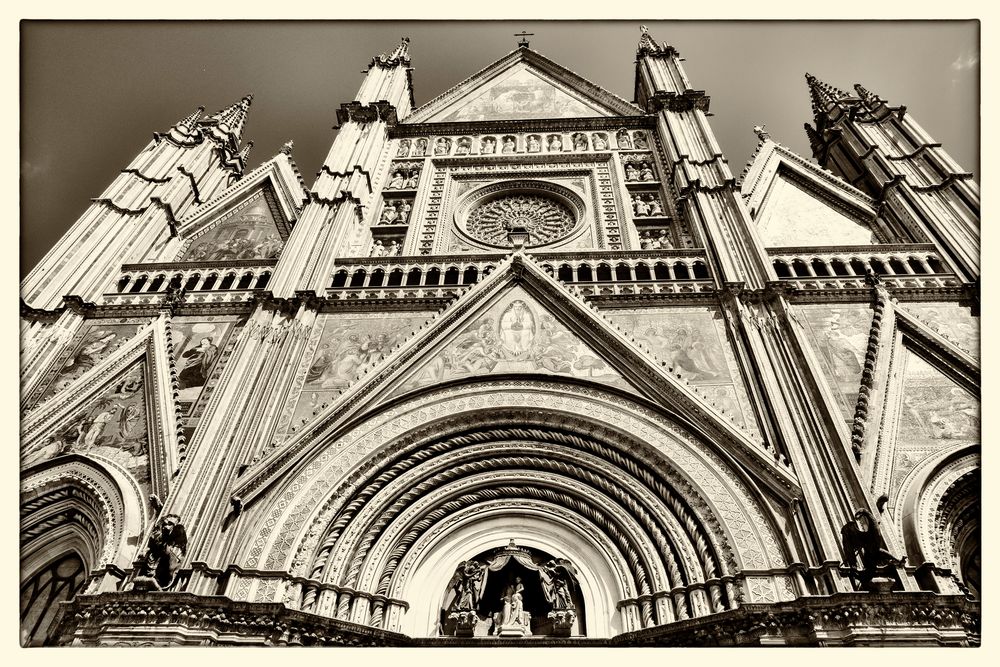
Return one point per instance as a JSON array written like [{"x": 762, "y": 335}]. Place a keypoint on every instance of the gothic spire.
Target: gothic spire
[
  {"x": 815, "y": 138},
  {"x": 823, "y": 95},
  {"x": 231, "y": 120},
  {"x": 245, "y": 152},
  {"x": 870, "y": 99},
  {"x": 188, "y": 123},
  {"x": 647, "y": 45}
]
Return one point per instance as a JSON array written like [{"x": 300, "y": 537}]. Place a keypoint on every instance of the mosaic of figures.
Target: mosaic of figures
[
  {"x": 112, "y": 425},
  {"x": 516, "y": 335},
  {"x": 341, "y": 345},
  {"x": 953, "y": 321},
  {"x": 934, "y": 414},
  {"x": 795, "y": 216},
  {"x": 198, "y": 344},
  {"x": 568, "y": 142},
  {"x": 521, "y": 95},
  {"x": 249, "y": 234},
  {"x": 693, "y": 341},
  {"x": 840, "y": 337},
  {"x": 97, "y": 340}
]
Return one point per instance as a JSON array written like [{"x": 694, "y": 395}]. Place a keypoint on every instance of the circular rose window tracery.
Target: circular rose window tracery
[{"x": 545, "y": 219}]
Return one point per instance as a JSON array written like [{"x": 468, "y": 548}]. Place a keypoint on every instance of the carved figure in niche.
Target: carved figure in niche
[
  {"x": 464, "y": 146},
  {"x": 466, "y": 584},
  {"x": 646, "y": 172},
  {"x": 390, "y": 215},
  {"x": 645, "y": 240},
  {"x": 600, "y": 141},
  {"x": 404, "y": 211},
  {"x": 411, "y": 179},
  {"x": 396, "y": 182},
  {"x": 509, "y": 145},
  {"x": 555, "y": 143},
  {"x": 488, "y": 146},
  {"x": 580, "y": 142},
  {"x": 404, "y": 148},
  {"x": 654, "y": 205},
  {"x": 557, "y": 589},
  {"x": 639, "y": 140},
  {"x": 861, "y": 537},
  {"x": 420, "y": 147},
  {"x": 377, "y": 249},
  {"x": 624, "y": 142},
  {"x": 442, "y": 146},
  {"x": 640, "y": 207},
  {"x": 394, "y": 248},
  {"x": 534, "y": 145},
  {"x": 199, "y": 364},
  {"x": 513, "y": 604},
  {"x": 663, "y": 241},
  {"x": 165, "y": 552},
  {"x": 631, "y": 173}
]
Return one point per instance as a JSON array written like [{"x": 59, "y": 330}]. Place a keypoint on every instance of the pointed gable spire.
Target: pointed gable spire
[
  {"x": 229, "y": 122},
  {"x": 823, "y": 95},
  {"x": 399, "y": 56}
]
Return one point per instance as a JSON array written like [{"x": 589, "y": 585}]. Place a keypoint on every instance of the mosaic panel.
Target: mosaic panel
[
  {"x": 198, "y": 343},
  {"x": 839, "y": 335},
  {"x": 951, "y": 320},
  {"x": 113, "y": 425},
  {"x": 693, "y": 341},
  {"x": 516, "y": 335},
  {"x": 249, "y": 233},
  {"x": 521, "y": 95},
  {"x": 935, "y": 414}
]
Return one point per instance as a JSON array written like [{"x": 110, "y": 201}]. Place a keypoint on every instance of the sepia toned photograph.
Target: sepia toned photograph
[{"x": 500, "y": 333}]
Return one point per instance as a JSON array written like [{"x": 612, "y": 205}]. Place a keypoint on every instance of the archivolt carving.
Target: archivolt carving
[
  {"x": 118, "y": 500},
  {"x": 706, "y": 481}
]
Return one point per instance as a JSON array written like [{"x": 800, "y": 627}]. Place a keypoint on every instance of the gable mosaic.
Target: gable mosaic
[
  {"x": 112, "y": 425},
  {"x": 521, "y": 94},
  {"x": 515, "y": 335},
  {"x": 249, "y": 233}
]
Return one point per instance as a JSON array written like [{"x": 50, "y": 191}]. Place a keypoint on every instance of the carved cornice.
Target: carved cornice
[
  {"x": 492, "y": 127},
  {"x": 356, "y": 112},
  {"x": 670, "y": 101}
]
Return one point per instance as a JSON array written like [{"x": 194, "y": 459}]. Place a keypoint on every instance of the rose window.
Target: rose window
[{"x": 544, "y": 219}]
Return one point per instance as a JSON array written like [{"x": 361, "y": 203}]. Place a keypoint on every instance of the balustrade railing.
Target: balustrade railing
[{"x": 198, "y": 277}]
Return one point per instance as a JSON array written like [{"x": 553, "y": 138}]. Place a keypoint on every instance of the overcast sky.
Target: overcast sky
[{"x": 92, "y": 94}]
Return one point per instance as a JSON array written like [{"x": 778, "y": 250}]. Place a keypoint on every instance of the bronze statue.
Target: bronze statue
[
  {"x": 861, "y": 536},
  {"x": 165, "y": 552}
]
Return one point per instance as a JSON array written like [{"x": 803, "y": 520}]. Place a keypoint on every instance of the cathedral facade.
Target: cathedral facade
[{"x": 524, "y": 364}]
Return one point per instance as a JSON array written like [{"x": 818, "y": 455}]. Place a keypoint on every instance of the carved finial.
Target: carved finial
[
  {"x": 231, "y": 120},
  {"x": 523, "y": 43},
  {"x": 646, "y": 42},
  {"x": 870, "y": 99},
  {"x": 402, "y": 51},
  {"x": 287, "y": 148},
  {"x": 245, "y": 153},
  {"x": 761, "y": 134}
]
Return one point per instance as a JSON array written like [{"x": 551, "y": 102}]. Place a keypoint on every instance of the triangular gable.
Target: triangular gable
[
  {"x": 515, "y": 334},
  {"x": 520, "y": 86},
  {"x": 249, "y": 220},
  {"x": 519, "y": 275},
  {"x": 121, "y": 410},
  {"x": 795, "y": 203}
]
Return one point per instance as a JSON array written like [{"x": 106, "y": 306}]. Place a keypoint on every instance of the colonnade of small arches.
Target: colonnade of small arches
[
  {"x": 194, "y": 281},
  {"x": 850, "y": 266}
]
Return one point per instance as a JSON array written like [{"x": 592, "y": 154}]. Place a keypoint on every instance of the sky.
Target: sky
[{"x": 93, "y": 93}]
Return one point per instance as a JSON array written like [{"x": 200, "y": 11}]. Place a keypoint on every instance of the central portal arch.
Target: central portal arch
[{"x": 375, "y": 523}]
